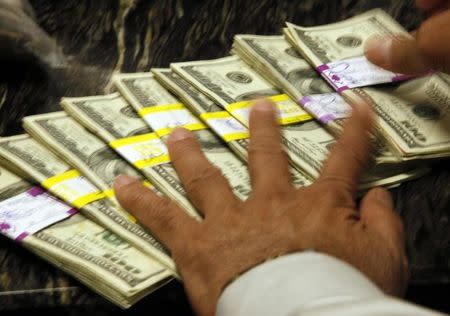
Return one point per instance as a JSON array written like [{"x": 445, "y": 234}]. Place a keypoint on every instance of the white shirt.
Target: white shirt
[{"x": 310, "y": 284}]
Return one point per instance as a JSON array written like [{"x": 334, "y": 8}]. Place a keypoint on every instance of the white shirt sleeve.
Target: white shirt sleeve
[{"x": 309, "y": 284}]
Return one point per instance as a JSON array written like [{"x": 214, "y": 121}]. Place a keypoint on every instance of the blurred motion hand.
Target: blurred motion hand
[
  {"x": 427, "y": 48},
  {"x": 21, "y": 38},
  {"x": 277, "y": 218}
]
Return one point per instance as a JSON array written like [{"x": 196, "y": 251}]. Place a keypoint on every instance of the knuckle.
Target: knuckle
[
  {"x": 356, "y": 157},
  {"x": 181, "y": 148},
  {"x": 196, "y": 181},
  {"x": 268, "y": 146},
  {"x": 158, "y": 212},
  {"x": 130, "y": 195}
]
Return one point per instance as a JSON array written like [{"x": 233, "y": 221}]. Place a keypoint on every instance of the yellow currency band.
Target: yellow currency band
[
  {"x": 167, "y": 108},
  {"x": 220, "y": 115},
  {"x": 117, "y": 143},
  {"x": 161, "y": 108},
  {"x": 71, "y": 174},
  {"x": 109, "y": 193},
  {"x": 276, "y": 98},
  {"x": 141, "y": 164}
]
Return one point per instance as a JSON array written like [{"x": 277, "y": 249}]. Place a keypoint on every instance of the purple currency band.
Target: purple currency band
[
  {"x": 35, "y": 191},
  {"x": 401, "y": 77},
  {"x": 306, "y": 100},
  {"x": 327, "y": 118},
  {"x": 72, "y": 211},
  {"x": 341, "y": 89},
  {"x": 324, "y": 119},
  {"x": 322, "y": 68},
  {"x": 21, "y": 236}
]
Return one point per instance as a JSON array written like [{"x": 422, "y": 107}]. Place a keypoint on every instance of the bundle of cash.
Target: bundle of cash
[
  {"x": 413, "y": 117},
  {"x": 229, "y": 80},
  {"x": 41, "y": 166},
  {"x": 215, "y": 150},
  {"x": 280, "y": 64},
  {"x": 225, "y": 126},
  {"x": 90, "y": 253},
  {"x": 101, "y": 164},
  {"x": 147, "y": 95}
]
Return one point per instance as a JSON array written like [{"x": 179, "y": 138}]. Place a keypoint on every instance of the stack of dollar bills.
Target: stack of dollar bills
[{"x": 56, "y": 196}]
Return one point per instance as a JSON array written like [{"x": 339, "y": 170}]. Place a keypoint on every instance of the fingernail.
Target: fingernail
[
  {"x": 123, "y": 180},
  {"x": 264, "y": 106},
  {"x": 378, "y": 49},
  {"x": 179, "y": 134},
  {"x": 384, "y": 197}
]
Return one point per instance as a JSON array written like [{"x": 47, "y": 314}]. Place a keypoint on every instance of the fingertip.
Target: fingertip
[
  {"x": 179, "y": 134},
  {"x": 362, "y": 114},
  {"x": 122, "y": 181},
  {"x": 362, "y": 107},
  {"x": 378, "y": 50},
  {"x": 263, "y": 105}
]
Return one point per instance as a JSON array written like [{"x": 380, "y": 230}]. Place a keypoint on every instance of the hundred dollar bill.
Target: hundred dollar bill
[
  {"x": 336, "y": 50},
  {"x": 42, "y": 166},
  {"x": 414, "y": 117},
  {"x": 90, "y": 253},
  {"x": 277, "y": 61},
  {"x": 80, "y": 148},
  {"x": 143, "y": 91},
  {"x": 91, "y": 155},
  {"x": 342, "y": 40},
  {"x": 402, "y": 134},
  {"x": 307, "y": 143},
  {"x": 232, "y": 84}
]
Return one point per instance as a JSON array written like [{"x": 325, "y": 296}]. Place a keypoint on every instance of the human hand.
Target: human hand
[
  {"x": 277, "y": 218},
  {"x": 427, "y": 48},
  {"x": 21, "y": 38}
]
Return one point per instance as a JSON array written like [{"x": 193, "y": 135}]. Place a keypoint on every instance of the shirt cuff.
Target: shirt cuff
[{"x": 296, "y": 282}]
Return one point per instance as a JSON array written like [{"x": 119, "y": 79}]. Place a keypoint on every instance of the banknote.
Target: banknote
[
  {"x": 414, "y": 116},
  {"x": 82, "y": 149},
  {"x": 342, "y": 40},
  {"x": 276, "y": 60},
  {"x": 43, "y": 167},
  {"x": 90, "y": 253}
]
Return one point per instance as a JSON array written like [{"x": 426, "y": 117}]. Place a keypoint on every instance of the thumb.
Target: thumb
[
  {"x": 377, "y": 211},
  {"x": 397, "y": 53}
]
